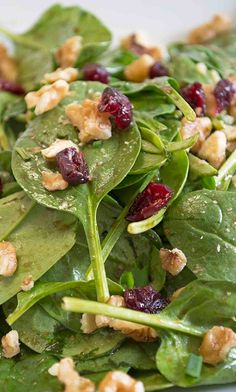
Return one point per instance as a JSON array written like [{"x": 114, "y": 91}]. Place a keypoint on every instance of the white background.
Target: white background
[{"x": 162, "y": 20}]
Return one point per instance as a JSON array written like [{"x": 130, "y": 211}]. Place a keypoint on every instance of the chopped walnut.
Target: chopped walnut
[
  {"x": 8, "y": 260},
  {"x": 218, "y": 24},
  {"x": 176, "y": 293},
  {"x": 53, "y": 181},
  {"x": 47, "y": 97},
  {"x": 173, "y": 260},
  {"x": 214, "y": 149},
  {"x": 10, "y": 344},
  {"x": 216, "y": 344},
  {"x": 92, "y": 124},
  {"x": 202, "y": 125},
  {"x": 118, "y": 381},
  {"x": 137, "y": 44},
  {"x": 27, "y": 284},
  {"x": 66, "y": 373},
  {"x": 138, "y": 70},
  {"x": 68, "y": 53},
  {"x": 138, "y": 332},
  {"x": 88, "y": 323},
  {"x": 59, "y": 145},
  {"x": 8, "y": 69},
  {"x": 68, "y": 74},
  {"x": 211, "y": 105}
]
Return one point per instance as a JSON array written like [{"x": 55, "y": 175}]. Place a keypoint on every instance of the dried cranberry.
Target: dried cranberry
[
  {"x": 224, "y": 92},
  {"x": 72, "y": 166},
  {"x": 118, "y": 105},
  {"x": 11, "y": 87},
  {"x": 145, "y": 299},
  {"x": 195, "y": 96},
  {"x": 95, "y": 72},
  {"x": 158, "y": 69},
  {"x": 154, "y": 197}
]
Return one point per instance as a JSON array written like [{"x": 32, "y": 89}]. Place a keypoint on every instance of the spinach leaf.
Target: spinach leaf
[
  {"x": 20, "y": 374},
  {"x": 202, "y": 225},
  {"x": 153, "y": 381},
  {"x": 130, "y": 354},
  {"x": 107, "y": 168},
  {"x": 199, "y": 167},
  {"x": 6, "y": 99},
  {"x": 34, "y": 49},
  {"x": 40, "y": 240},
  {"x": 157, "y": 273},
  {"x": 13, "y": 209},
  {"x": 203, "y": 304}
]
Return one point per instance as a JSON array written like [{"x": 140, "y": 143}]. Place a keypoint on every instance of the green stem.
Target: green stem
[
  {"x": 95, "y": 252},
  {"x": 118, "y": 227},
  {"x": 227, "y": 170},
  {"x": 155, "y": 321}
]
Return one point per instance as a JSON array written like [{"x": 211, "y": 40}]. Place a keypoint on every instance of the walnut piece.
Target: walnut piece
[
  {"x": 216, "y": 344},
  {"x": 8, "y": 260},
  {"x": 137, "y": 332},
  {"x": 68, "y": 53},
  {"x": 218, "y": 24},
  {"x": 173, "y": 260},
  {"x": 138, "y": 70},
  {"x": 118, "y": 381},
  {"x": 88, "y": 323},
  {"x": 27, "y": 284},
  {"x": 59, "y": 145},
  {"x": 214, "y": 149},
  {"x": 92, "y": 124},
  {"x": 47, "y": 97},
  {"x": 66, "y": 373},
  {"x": 53, "y": 181},
  {"x": 8, "y": 68},
  {"x": 137, "y": 44},
  {"x": 10, "y": 344},
  {"x": 68, "y": 74},
  {"x": 202, "y": 125}
]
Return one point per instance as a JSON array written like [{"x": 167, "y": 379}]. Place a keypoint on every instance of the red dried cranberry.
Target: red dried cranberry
[
  {"x": 158, "y": 69},
  {"x": 72, "y": 166},
  {"x": 118, "y": 105},
  {"x": 96, "y": 73},
  {"x": 11, "y": 87},
  {"x": 145, "y": 299},
  {"x": 224, "y": 92},
  {"x": 195, "y": 96},
  {"x": 154, "y": 197}
]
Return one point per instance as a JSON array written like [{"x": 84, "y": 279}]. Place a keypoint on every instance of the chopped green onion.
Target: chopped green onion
[{"x": 194, "y": 365}]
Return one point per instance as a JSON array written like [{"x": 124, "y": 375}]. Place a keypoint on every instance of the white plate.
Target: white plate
[{"x": 161, "y": 20}]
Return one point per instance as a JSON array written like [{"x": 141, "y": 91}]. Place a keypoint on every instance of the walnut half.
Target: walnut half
[
  {"x": 68, "y": 53},
  {"x": 53, "y": 181},
  {"x": 209, "y": 30},
  {"x": 216, "y": 344},
  {"x": 118, "y": 381},
  {"x": 138, "y": 70},
  {"x": 66, "y": 373}
]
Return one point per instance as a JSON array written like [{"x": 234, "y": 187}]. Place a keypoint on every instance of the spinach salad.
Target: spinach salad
[{"x": 117, "y": 208}]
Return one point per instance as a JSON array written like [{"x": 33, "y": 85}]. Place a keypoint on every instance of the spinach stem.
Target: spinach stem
[
  {"x": 118, "y": 227},
  {"x": 228, "y": 169},
  {"x": 95, "y": 252},
  {"x": 155, "y": 321}
]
